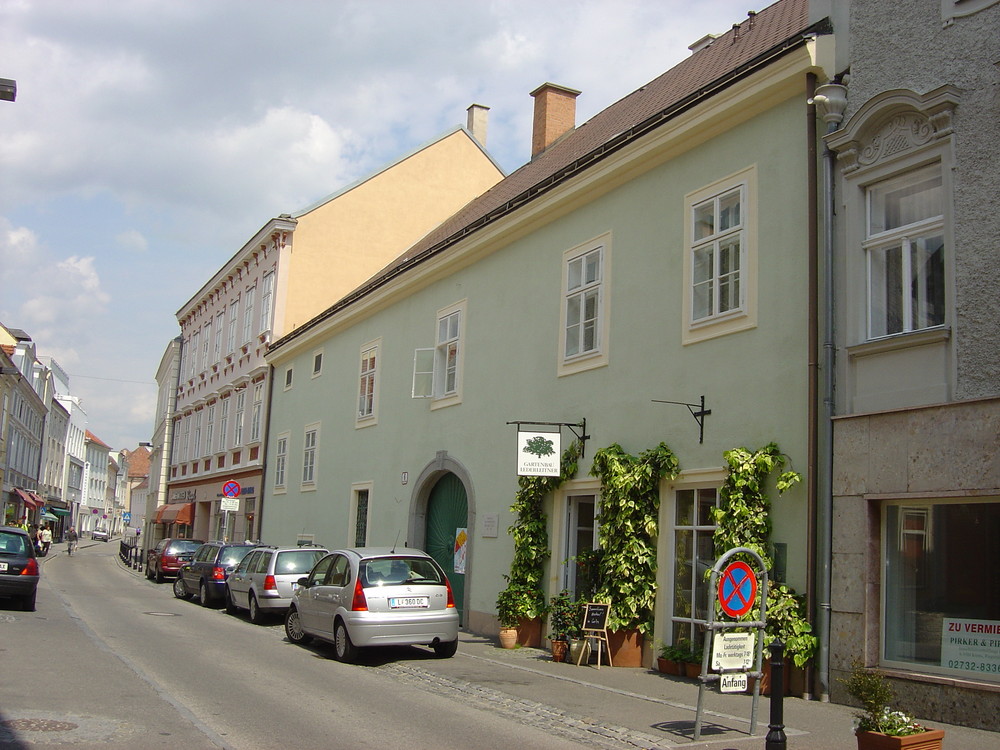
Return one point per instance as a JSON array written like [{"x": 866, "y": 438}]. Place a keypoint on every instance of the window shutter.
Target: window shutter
[{"x": 423, "y": 373}]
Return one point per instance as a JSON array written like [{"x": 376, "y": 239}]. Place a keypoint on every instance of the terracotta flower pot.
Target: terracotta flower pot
[
  {"x": 669, "y": 666},
  {"x": 529, "y": 632},
  {"x": 508, "y": 637},
  {"x": 625, "y": 647},
  {"x": 559, "y": 650},
  {"x": 692, "y": 669},
  {"x": 929, "y": 740}
]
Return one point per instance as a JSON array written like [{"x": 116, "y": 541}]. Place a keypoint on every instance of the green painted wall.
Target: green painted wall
[{"x": 754, "y": 381}]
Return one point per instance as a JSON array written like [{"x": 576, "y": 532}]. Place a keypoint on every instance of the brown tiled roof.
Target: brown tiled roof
[
  {"x": 757, "y": 39},
  {"x": 138, "y": 462},
  {"x": 92, "y": 438}
]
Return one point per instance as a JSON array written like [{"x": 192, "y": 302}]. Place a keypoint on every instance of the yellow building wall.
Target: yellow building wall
[{"x": 344, "y": 241}]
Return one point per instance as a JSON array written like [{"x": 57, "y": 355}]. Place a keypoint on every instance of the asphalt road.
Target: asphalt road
[{"x": 112, "y": 660}]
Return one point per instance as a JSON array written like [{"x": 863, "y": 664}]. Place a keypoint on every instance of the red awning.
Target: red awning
[
  {"x": 176, "y": 513},
  {"x": 186, "y": 514},
  {"x": 28, "y": 499}
]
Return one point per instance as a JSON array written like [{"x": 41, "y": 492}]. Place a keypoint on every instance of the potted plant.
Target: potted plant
[
  {"x": 562, "y": 623},
  {"x": 670, "y": 660},
  {"x": 878, "y": 726},
  {"x": 690, "y": 657},
  {"x": 518, "y": 606}
]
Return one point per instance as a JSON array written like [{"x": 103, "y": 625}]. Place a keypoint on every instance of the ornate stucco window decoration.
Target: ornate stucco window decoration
[{"x": 892, "y": 125}]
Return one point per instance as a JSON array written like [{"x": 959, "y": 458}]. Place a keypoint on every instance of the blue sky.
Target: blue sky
[{"x": 150, "y": 139}]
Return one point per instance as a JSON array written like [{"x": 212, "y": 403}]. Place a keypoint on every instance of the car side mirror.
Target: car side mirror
[{"x": 304, "y": 582}]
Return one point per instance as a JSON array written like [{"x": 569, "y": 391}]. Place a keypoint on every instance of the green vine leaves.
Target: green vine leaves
[
  {"x": 630, "y": 503},
  {"x": 524, "y": 597}
]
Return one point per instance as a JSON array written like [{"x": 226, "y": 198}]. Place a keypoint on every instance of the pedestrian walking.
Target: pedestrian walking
[
  {"x": 45, "y": 539},
  {"x": 71, "y": 540}
]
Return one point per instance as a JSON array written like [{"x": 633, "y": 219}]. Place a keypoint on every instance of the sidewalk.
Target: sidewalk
[
  {"x": 644, "y": 709},
  {"x": 634, "y": 707}
]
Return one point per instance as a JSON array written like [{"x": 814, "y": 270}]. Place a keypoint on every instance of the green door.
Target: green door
[{"x": 447, "y": 531}]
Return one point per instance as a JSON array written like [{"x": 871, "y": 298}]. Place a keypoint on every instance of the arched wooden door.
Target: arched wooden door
[{"x": 447, "y": 531}]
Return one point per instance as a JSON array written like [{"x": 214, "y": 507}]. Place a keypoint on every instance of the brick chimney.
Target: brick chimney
[
  {"x": 555, "y": 115},
  {"x": 478, "y": 117}
]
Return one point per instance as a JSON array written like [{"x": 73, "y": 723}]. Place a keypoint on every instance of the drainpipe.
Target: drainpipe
[
  {"x": 812, "y": 424},
  {"x": 831, "y": 100}
]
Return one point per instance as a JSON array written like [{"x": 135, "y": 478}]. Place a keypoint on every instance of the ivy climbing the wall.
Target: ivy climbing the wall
[
  {"x": 630, "y": 504},
  {"x": 524, "y": 596},
  {"x": 743, "y": 519}
]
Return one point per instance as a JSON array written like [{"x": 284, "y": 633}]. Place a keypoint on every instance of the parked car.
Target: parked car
[
  {"x": 264, "y": 580},
  {"x": 205, "y": 574},
  {"x": 166, "y": 558},
  {"x": 18, "y": 567},
  {"x": 100, "y": 535},
  {"x": 360, "y": 597}
]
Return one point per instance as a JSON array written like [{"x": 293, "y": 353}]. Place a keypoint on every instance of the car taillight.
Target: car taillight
[
  {"x": 451, "y": 595},
  {"x": 269, "y": 584},
  {"x": 169, "y": 560},
  {"x": 360, "y": 603},
  {"x": 31, "y": 569},
  {"x": 218, "y": 574}
]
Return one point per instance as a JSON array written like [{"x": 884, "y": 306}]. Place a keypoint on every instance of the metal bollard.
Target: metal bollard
[{"x": 775, "y": 739}]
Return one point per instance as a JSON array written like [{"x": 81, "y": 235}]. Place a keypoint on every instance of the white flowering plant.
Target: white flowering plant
[
  {"x": 869, "y": 688},
  {"x": 894, "y": 723}
]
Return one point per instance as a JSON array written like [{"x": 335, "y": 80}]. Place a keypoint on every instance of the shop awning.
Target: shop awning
[
  {"x": 27, "y": 499},
  {"x": 60, "y": 511},
  {"x": 176, "y": 513},
  {"x": 46, "y": 516}
]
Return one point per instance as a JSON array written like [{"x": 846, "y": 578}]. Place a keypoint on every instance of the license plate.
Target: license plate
[
  {"x": 3, "y": 567},
  {"x": 408, "y": 602}
]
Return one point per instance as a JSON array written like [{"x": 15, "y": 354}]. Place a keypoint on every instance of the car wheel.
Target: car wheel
[
  {"x": 203, "y": 594},
  {"x": 149, "y": 574},
  {"x": 445, "y": 650},
  {"x": 231, "y": 608},
  {"x": 28, "y": 602},
  {"x": 159, "y": 576},
  {"x": 179, "y": 589},
  {"x": 344, "y": 649},
  {"x": 293, "y": 628},
  {"x": 256, "y": 615}
]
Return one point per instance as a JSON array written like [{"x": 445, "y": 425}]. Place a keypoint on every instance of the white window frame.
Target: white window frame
[
  {"x": 266, "y": 301},
  {"x": 572, "y": 292},
  {"x": 220, "y": 325},
  {"x": 743, "y": 315},
  {"x": 234, "y": 314},
  {"x": 223, "y": 424},
  {"x": 248, "y": 315},
  {"x": 289, "y": 377},
  {"x": 317, "y": 363},
  {"x": 907, "y": 239},
  {"x": 210, "y": 429},
  {"x": 206, "y": 344},
  {"x": 241, "y": 402},
  {"x": 368, "y": 381},
  {"x": 430, "y": 366},
  {"x": 194, "y": 354},
  {"x": 280, "y": 461},
  {"x": 696, "y": 480},
  {"x": 310, "y": 449},
  {"x": 196, "y": 446},
  {"x": 258, "y": 408}
]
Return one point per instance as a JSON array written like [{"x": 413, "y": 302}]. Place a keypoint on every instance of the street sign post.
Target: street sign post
[{"x": 732, "y": 654}]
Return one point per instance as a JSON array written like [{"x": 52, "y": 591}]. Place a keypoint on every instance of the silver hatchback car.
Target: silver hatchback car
[
  {"x": 264, "y": 580},
  {"x": 368, "y": 596}
]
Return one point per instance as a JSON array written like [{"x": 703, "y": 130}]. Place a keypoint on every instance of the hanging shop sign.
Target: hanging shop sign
[{"x": 538, "y": 454}]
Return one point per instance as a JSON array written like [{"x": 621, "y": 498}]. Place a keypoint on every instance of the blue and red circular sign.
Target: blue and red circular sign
[
  {"x": 737, "y": 589},
  {"x": 231, "y": 489}
]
